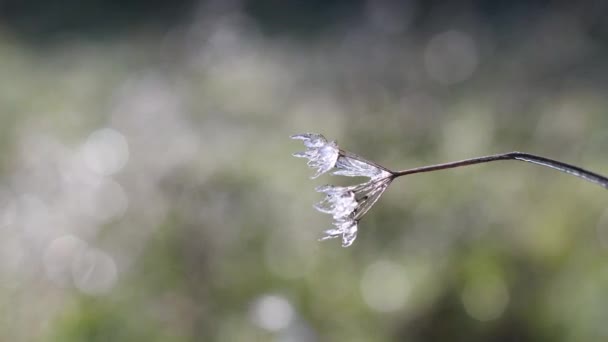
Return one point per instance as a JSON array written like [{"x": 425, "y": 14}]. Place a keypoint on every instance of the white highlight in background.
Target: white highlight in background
[
  {"x": 272, "y": 312},
  {"x": 58, "y": 258},
  {"x": 106, "y": 151},
  {"x": 94, "y": 272}
]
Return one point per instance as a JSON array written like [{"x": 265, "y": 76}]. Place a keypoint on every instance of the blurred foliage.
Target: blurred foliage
[{"x": 147, "y": 191}]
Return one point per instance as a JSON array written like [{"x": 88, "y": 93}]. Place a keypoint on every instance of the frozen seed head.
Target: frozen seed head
[
  {"x": 340, "y": 202},
  {"x": 325, "y": 155},
  {"x": 322, "y": 155},
  {"x": 345, "y": 229},
  {"x": 346, "y": 205}
]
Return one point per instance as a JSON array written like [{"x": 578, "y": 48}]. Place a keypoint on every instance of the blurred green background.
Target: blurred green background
[{"x": 147, "y": 192}]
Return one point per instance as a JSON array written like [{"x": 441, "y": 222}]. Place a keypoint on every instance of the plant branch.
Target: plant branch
[{"x": 526, "y": 157}]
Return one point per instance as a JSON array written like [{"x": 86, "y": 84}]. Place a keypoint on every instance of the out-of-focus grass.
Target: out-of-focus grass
[{"x": 201, "y": 226}]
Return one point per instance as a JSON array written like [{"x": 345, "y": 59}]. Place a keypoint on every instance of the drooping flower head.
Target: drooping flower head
[
  {"x": 347, "y": 205},
  {"x": 321, "y": 154}
]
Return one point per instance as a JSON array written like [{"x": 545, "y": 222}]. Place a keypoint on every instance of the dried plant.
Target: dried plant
[{"x": 349, "y": 204}]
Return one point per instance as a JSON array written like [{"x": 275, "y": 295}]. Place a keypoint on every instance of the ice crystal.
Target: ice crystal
[
  {"x": 322, "y": 155},
  {"x": 346, "y": 205}
]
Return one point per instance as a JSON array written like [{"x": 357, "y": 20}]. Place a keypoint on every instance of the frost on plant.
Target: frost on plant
[
  {"x": 322, "y": 155},
  {"x": 346, "y": 205}
]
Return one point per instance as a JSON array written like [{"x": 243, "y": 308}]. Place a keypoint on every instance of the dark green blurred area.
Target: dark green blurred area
[{"x": 147, "y": 192}]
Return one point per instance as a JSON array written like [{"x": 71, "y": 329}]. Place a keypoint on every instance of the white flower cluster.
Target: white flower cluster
[{"x": 347, "y": 205}]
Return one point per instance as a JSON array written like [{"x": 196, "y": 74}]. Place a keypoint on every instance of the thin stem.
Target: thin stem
[{"x": 526, "y": 157}]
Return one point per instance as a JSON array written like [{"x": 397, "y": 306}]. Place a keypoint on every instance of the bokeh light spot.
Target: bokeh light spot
[
  {"x": 272, "y": 312},
  {"x": 109, "y": 201},
  {"x": 385, "y": 286},
  {"x": 106, "y": 151},
  {"x": 58, "y": 258},
  {"x": 94, "y": 272}
]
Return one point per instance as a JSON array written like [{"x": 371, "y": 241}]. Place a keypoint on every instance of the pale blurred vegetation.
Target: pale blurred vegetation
[{"x": 147, "y": 191}]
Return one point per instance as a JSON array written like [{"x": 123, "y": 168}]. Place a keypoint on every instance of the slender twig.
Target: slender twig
[{"x": 526, "y": 157}]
